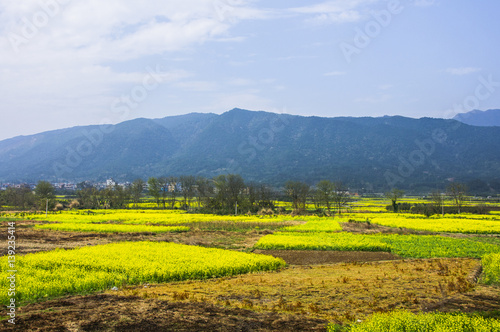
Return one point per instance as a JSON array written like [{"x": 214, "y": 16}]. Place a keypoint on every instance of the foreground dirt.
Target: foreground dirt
[{"x": 105, "y": 312}]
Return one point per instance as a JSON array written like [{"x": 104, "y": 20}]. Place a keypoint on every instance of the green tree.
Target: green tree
[
  {"x": 87, "y": 195},
  {"x": 21, "y": 198}
]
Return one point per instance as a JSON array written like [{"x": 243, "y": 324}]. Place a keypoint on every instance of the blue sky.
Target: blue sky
[{"x": 67, "y": 63}]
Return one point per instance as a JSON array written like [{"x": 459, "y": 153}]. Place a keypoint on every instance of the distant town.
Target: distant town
[{"x": 63, "y": 186}]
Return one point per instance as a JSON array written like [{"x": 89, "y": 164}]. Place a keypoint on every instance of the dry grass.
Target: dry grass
[{"x": 339, "y": 292}]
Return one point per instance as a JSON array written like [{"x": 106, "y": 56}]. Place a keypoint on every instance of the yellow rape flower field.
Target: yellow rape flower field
[
  {"x": 448, "y": 249},
  {"x": 90, "y": 269},
  {"x": 463, "y": 223}
]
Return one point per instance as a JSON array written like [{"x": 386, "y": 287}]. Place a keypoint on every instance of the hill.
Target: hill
[
  {"x": 369, "y": 153},
  {"x": 487, "y": 118}
]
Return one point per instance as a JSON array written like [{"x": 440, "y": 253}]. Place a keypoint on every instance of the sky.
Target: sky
[{"x": 68, "y": 63}]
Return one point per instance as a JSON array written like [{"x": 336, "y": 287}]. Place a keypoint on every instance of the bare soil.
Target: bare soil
[
  {"x": 104, "y": 312},
  {"x": 311, "y": 257}
]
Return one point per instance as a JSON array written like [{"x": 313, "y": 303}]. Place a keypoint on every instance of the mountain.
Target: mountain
[
  {"x": 487, "y": 118},
  {"x": 370, "y": 153}
]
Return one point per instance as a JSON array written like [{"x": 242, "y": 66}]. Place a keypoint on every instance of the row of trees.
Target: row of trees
[
  {"x": 456, "y": 192},
  {"x": 221, "y": 194},
  {"x": 42, "y": 198}
]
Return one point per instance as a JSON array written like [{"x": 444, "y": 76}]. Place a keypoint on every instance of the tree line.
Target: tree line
[
  {"x": 455, "y": 192},
  {"x": 224, "y": 194},
  {"x": 221, "y": 194}
]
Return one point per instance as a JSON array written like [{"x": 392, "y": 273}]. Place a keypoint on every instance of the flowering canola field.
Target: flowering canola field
[
  {"x": 155, "y": 217},
  {"x": 90, "y": 269},
  {"x": 112, "y": 228},
  {"x": 474, "y": 224}
]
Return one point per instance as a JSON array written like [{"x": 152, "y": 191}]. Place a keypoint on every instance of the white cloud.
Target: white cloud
[
  {"x": 336, "y": 11},
  {"x": 75, "y": 57},
  {"x": 462, "y": 70}
]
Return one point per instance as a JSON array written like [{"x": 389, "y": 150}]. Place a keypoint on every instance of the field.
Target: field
[{"x": 146, "y": 270}]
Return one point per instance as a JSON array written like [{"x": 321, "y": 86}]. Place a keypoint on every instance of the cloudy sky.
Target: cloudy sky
[{"x": 66, "y": 63}]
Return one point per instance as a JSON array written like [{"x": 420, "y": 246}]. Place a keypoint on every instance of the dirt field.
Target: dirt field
[{"x": 318, "y": 287}]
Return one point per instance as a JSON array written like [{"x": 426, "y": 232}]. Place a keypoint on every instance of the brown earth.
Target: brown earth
[
  {"x": 103, "y": 312},
  {"x": 310, "y": 257}
]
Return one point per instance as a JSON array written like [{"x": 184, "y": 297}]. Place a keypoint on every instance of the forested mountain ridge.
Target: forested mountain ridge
[{"x": 370, "y": 153}]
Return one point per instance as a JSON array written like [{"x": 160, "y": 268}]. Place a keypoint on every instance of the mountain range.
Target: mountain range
[
  {"x": 370, "y": 154},
  {"x": 489, "y": 118}
]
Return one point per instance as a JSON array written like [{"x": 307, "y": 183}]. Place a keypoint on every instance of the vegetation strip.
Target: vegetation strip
[
  {"x": 409, "y": 322},
  {"x": 491, "y": 269},
  {"x": 408, "y": 246}
]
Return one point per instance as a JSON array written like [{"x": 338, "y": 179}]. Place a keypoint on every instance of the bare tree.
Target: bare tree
[
  {"x": 204, "y": 189},
  {"x": 438, "y": 200},
  {"x": 172, "y": 189},
  {"x": 187, "y": 183},
  {"x": 394, "y": 195},
  {"x": 154, "y": 189},
  {"x": 297, "y": 191},
  {"x": 340, "y": 196},
  {"x": 457, "y": 192},
  {"x": 325, "y": 191},
  {"x": 136, "y": 190},
  {"x": 163, "y": 185}
]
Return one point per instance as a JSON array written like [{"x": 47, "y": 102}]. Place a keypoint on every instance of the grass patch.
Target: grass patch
[
  {"x": 408, "y": 246},
  {"x": 491, "y": 269}
]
